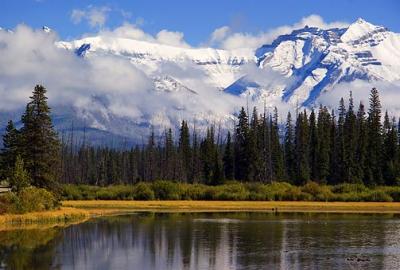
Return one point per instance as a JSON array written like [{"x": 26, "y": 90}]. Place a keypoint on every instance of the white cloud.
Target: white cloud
[
  {"x": 227, "y": 39},
  {"x": 103, "y": 89},
  {"x": 388, "y": 92},
  {"x": 219, "y": 34},
  {"x": 133, "y": 31},
  {"x": 171, "y": 38},
  {"x": 77, "y": 15},
  {"x": 95, "y": 16}
]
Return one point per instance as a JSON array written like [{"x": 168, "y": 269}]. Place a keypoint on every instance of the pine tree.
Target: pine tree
[
  {"x": 361, "y": 145},
  {"x": 40, "y": 146},
  {"x": 252, "y": 150},
  {"x": 324, "y": 144},
  {"x": 228, "y": 159},
  {"x": 374, "y": 160},
  {"x": 314, "y": 144},
  {"x": 10, "y": 150},
  {"x": 350, "y": 144},
  {"x": 276, "y": 149},
  {"x": 20, "y": 177},
  {"x": 390, "y": 152},
  {"x": 302, "y": 149},
  {"x": 241, "y": 147},
  {"x": 185, "y": 151},
  {"x": 289, "y": 150},
  {"x": 338, "y": 172}
]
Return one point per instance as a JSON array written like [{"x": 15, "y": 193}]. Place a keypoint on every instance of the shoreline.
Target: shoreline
[
  {"x": 221, "y": 206},
  {"x": 74, "y": 212}
]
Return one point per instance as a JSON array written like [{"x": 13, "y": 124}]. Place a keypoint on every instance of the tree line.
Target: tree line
[{"x": 351, "y": 145}]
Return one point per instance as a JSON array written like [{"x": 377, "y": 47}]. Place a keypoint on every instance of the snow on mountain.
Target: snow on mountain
[
  {"x": 221, "y": 66},
  {"x": 317, "y": 60}
]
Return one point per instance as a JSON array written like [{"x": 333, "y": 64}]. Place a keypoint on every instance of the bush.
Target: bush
[
  {"x": 378, "y": 196},
  {"x": 318, "y": 192},
  {"x": 30, "y": 199},
  {"x": 194, "y": 192},
  {"x": 259, "y": 192},
  {"x": 349, "y": 188},
  {"x": 231, "y": 191},
  {"x": 166, "y": 190},
  {"x": 142, "y": 191},
  {"x": 72, "y": 192}
]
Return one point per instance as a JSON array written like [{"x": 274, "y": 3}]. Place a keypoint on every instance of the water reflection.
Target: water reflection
[{"x": 209, "y": 241}]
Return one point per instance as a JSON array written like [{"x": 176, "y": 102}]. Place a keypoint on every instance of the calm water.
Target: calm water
[{"x": 209, "y": 241}]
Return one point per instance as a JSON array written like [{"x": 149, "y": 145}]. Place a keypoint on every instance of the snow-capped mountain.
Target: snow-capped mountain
[
  {"x": 314, "y": 60},
  {"x": 221, "y": 67},
  {"x": 207, "y": 85},
  {"x": 317, "y": 60}
]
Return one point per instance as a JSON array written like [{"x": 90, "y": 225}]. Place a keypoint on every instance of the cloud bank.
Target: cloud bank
[{"x": 102, "y": 89}]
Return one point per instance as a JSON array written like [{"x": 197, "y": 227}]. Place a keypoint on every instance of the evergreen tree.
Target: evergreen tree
[
  {"x": 289, "y": 150},
  {"x": 302, "y": 149},
  {"x": 350, "y": 144},
  {"x": 361, "y": 145},
  {"x": 40, "y": 146},
  {"x": 374, "y": 160},
  {"x": 314, "y": 144},
  {"x": 390, "y": 152},
  {"x": 324, "y": 146},
  {"x": 10, "y": 150},
  {"x": 228, "y": 159},
  {"x": 340, "y": 150},
  {"x": 241, "y": 147},
  {"x": 276, "y": 149},
  {"x": 20, "y": 177},
  {"x": 252, "y": 150},
  {"x": 184, "y": 150}
]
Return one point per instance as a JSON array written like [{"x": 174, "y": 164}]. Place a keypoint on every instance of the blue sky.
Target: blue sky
[{"x": 196, "y": 19}]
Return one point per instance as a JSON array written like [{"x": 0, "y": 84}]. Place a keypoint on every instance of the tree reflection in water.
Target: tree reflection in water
[{"x": 208, "y": 241}]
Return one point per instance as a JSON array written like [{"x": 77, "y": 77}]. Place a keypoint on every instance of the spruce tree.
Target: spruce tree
[
  {"x": 361, "y": 145},
  {"x": 289, "y": 150},
  {"x": 374, "y": 160},
  {"x": 350, "y": 145},
  {"x": 185, "y": 151},
  {"x": 276, "y": 149},
  {"x": 10, "y": 150},
  {"x": 40, "y": 146},
  {"x": 390, "y": 152},
  {"x": 314, "y": 142},
  {"x": 324, "y": 144},
  {"x": 340, "y": 149},
  {"x": 302, "y": 149},
  {"x": 228, "y": 158},
  {"x": 19, "y": 178},
  {"x": 241, "y": 147}
]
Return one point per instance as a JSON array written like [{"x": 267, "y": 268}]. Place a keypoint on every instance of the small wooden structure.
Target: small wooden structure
[{"x": 4, "y": 189}]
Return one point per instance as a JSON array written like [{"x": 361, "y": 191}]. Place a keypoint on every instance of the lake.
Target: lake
[{"x": 209, "y": 241}]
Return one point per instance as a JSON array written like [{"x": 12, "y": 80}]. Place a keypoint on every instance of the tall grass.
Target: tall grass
[{"x": 233, "y": 191}]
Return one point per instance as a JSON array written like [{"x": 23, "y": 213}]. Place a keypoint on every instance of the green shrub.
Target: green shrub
[
  {"x": 142, "y": 191},
  {"x": 166, "y": 190},
  {"x": 349, "y": 188},
  {"x": 194, "y": 191},
  {"x": 231, "y": 191},
  {"x": 378, "y": 196},
  {"x": 30, "y": 199},
  {"x": 318, "y": 192},
  {"x": 72, "y": 192},
  {"x": 260, "y": 192}
]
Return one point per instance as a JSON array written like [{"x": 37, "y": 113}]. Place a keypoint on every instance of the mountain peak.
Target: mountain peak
[
  {"x": 360, "y": 29},
  {"x": 46, "y": 29}
]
